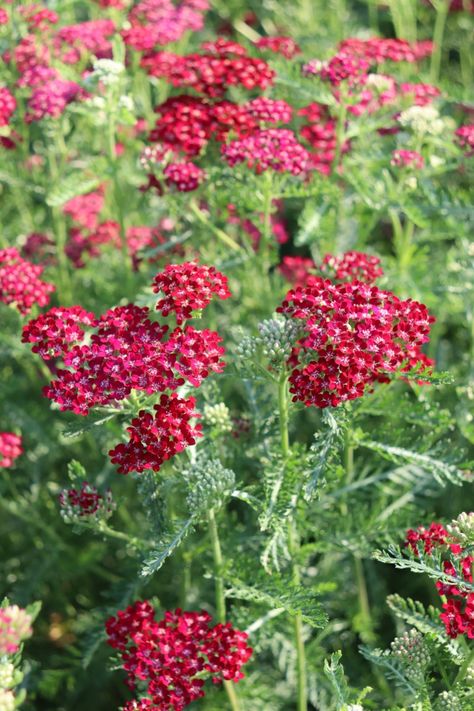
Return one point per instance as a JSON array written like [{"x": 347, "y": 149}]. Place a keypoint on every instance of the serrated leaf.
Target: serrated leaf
[
  {"x": 71, "y": 187},
  {"x": 170, "y": 541}
]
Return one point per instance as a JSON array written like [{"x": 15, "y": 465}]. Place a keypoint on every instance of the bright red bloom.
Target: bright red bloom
[
  {"x": 320, "y": 133},
  {"x": 7, "y": 106},
  {"x": 352, "y": 265},
  {"x": 209, "y": 74},
  {"x": 355, "y": 335},
  {"x": 10, "y": 448},
  {"x": 343, "y": 67},
  {"x": 265, "y": 110},
  {"x": 407, "y": 159},
  {"x": 435, "y": 535},
  {"x": 20, "y": 284},
  {"x": 188, "y": 287},
  {"x": 273, "y": 148},
  {"x": 185, "y": 177},
  {"x": 53, "y": 332},
  {"x": 285, "y": 46},
  {"x": 155, "y": 438},
  {"x": 172, "y": 654},
  {"x": 194, "y": 354},
  {"x": 185, "y": 124}
]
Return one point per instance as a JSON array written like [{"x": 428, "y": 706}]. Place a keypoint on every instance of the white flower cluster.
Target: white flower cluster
[
  {"x": 218, "y": 417},
  {"x": 423, "y": 120}
]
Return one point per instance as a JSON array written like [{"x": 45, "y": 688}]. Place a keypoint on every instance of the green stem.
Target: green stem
[
  {"x": 220, "y": 234},
  {"x": 465, "y": 666},
  {"x": 294, "y": 548},
  {"x": 56, "y": 148},
  {"x": 220, "y": 597},
  {"x": 442, "y": 10},
  {"x": 267, "y": 245},
  {"x": 341, "y": 127}
]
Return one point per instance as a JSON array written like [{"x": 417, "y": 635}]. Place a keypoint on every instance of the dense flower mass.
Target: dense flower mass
[
  {"x": 155, "y": 438},
  {"x": 7, "y": 106},
  {"x": 20, "y": 283},
  {"x": 15, "y": 626},
  {"x": 286, "y": 46},
  {"x": 458, "y": 605},
  {"x": 274, "y": 148},
  {"x": 51, "y": 98},
  {"x": 10, "y": 448},
  {"x": 355, "y": 335},
  {"x": 185, "y": 177},
  {"x": 352, "y": 265},
  {"x": 188, "y": 287},
  {"x": 378, "y": 50},
  {"x": 53, "y": 332},
  {"x": 173, "y": 655},
  {"x": 160, "y": 22},
  {"x": 212, "y": 73}
]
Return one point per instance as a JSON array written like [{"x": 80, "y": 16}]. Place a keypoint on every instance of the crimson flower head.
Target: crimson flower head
[
  {"x": 355, "y": 336},
  {"x": 155, "y": 438},
  {"x": 273, "y": 148},
  {"x": 20, "y": 284},
  {"x": 185, "y": 177},
  {"x": 352, "y": 265},
  {"x": 85, "y": 502},
  {"x": 173, "y": 655},
  {"x": 407, "y": 159},
  {"x": 53, "y": 332},
  {"x": 10, "y": 448},
  {"x": 7, "y": 106},
  {"x": 188, "y": 287},
  {"x": 286, "y": 46}
]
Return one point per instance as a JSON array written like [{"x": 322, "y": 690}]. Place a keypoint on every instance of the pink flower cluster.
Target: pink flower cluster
[
  {"x": 20, "y": 284},
  {"x": 458, "y": 609},
  {"x": 185, "y": 177},
  {"x": 172, "y": 656},
  {"x": 407, "y": 159},
  {"x": 465, "y": 136},
  {"x": 10, "y": 448},
  {"x": 320, "y": 133},
  {"x": 343, "y": 67},
  {"x": 213, "y": 72},
  {"x": 7, "y": 106},
  {"x": 4, "y": 20},
  {"x": 50, "y": 99},
  {"x": 286, "y": 46},
  {"x": 15, "y": 626},
  {"x": 274, "y": 148},
  {"x": 355, "y": 336},
  {"x": 160, "y": 22},
  {"x": 85, "y": 502},
  {"x": 38, "y": 17},
  {"x": 155, "y": 438},
  {"x": 377, "y": 50},
  {"x": 188, "y": 287},
  {"x": 352, "y": 265}
]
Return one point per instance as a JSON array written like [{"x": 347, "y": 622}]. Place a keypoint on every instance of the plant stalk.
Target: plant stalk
[
  {"x": 293, "y": 547},
  {"x": 220, "y": 597},
  {"x": 442, "y": 11}
]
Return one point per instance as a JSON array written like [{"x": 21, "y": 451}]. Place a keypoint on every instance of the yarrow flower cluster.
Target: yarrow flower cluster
[
  {"x": 352, "y": 265},
  {"x": 15, "y": 627},
  {"x": 286, "y": 46},
  {"x": 160, "y": 22},
  {"x": 458, "y": 609},
  {"x": 188, "y": 287},
  {"x": 7, "y": 106},
  {"x": 377, "y": 50},
  {"x": 85, "y": 503},
  {"x": 407, "y": 159},
  {"x": 274, "y": 148},
  {"x": 465, "y": 137},
  {"x": 10, "y": 448},
  {"x": 354, "y": 336},
  {"x": 20, "y": 284},
  {"x": 128, "y": 351},
  {"x": 173, "y": 655},
  {"x": 211, "y": 73}
]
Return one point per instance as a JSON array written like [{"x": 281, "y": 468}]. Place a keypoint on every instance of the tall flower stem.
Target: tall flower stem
[
  {"x": 220, "y": 597},
  {"x": 266, "y": 246},
  {"x": 341, "y": 127},
  {"x": 362, "y": 592},
  {"x": 442, "y": 10},
  {"x": 293, "y": 547}
]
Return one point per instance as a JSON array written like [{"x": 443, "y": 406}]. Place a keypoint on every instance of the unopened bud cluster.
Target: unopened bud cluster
[
  {"x": 277, "y": 338},
  {"x": 107, "y": 71},
  {"x": 410, "y": 648},
  {"x": 85, "y": 503},
  {"x": 7, "y": 675},
  {"x": 448, "y": 701},
  {"x": 210, "y": 484},
  {"x": 423, "y": 120},
  {"x": 247, "y": 347},
  {"x": 462, "y": 528},
  {"x": 7, "y": 700},
  {"x": 218, "y": 417}
]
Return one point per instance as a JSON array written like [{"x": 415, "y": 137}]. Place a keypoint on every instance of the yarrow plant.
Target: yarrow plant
[{"x": 235, "y": 260}]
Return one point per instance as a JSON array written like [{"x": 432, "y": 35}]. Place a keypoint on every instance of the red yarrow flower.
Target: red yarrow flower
[
  {"x": 155, "y": 438},
  {"x": 85, "y": 502},
  {"x": 274, "y": 148},
  {"x": 286, "y": 46},
  {"x": 10, "y": 448},
  {"x": 173, "y": 655},
  {"x": 352, "y": 265},
  {"x": 355, "y": 336},
  {"x": 7, "y": 106},
  {"x": 20, "y": 284},
  {"x": 53, "y": 332},
  {"x": 185, "y": 177},
  {"x": 407, "y": 159},
  {"x": 188, "y": 287}
]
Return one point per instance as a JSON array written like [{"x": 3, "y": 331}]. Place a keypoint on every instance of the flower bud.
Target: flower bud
[
  {"x": 7, "y": 675},
  {"x": 410, "y": 648},
  {"x": 7, "y": 701},
  {"x": 448, "y": 701},
  {"x": 218, "y": 417},
  {"x": 278, "y": 337}
]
